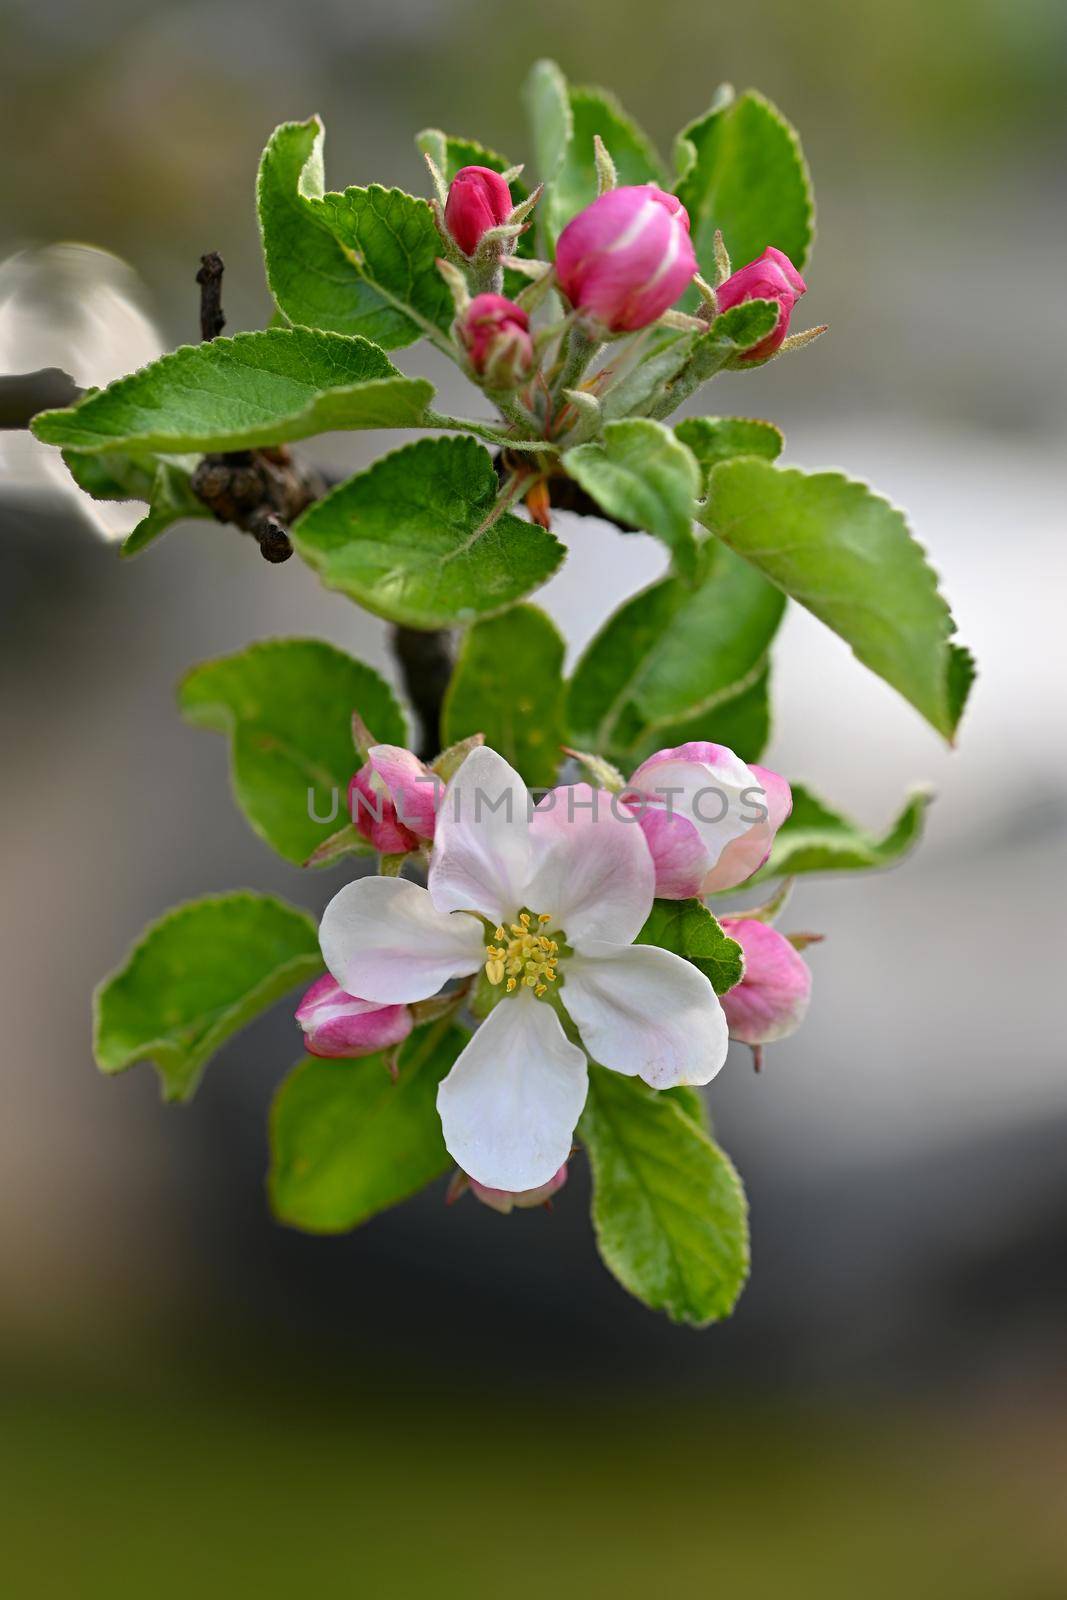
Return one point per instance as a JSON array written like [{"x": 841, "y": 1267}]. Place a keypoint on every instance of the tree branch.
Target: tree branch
[{"x": 23, "y": 394}]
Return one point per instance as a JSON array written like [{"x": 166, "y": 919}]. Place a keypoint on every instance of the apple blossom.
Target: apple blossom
[
  {"x": 772, "y": 998},
  {"x": 392, "y": 799},
  {"x": 478, "y": 199},
  {"x": 547, "y": 900},
  {"x": 627, "y": 257},
  {"x": 495, "y": 333},
  {"x": 709, "y": 818},
  {"x": 772, "y": 276},
  {"x": 340, "y": 1024}
]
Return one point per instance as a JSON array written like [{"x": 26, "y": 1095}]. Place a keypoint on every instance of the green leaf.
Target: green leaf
[
  {"x": 691, "y": 1103},
  {"x": 194, "y": 978},
  {"x": 688, "y": 928},
  {"x": 643, "y": 475},
  {"x": 715, "y": 439},
  {"x": 231, "y": 394},
  {"x": 418, "y": 539},
  {"x": 393, "y": 240},
  {"x": 672, "y": 653},
  {"x": 565, "y": 120},
  {"x": 165, "y": 484},
  {"x": 849, "y": 557},
  {"x": 724, "y": 345},
  {"x": 742, "y": 722},
  {"x": 347, "y": 1141},
  {"x": 740, "y": 168},
  {"x": 449, "y": 154},
  {"x": 287, "y": 707},
  {"x": 313, "y": 281},
  {"x": 668, "y": 1208},
  {"x": 508, "y": 684},
  {"x": 816, "y": 839}
]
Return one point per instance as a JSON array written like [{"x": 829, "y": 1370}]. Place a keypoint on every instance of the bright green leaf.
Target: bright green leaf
[
  {"x": 166, "y": 485},
  {"x": 848, "y": 556},
  {"x": 816, "y": 839},
  {"x": 741, "y": 169},
  {"x": 287, "y": 706},
  {"x": 231, "y": 394},
  {"x": 644, "y": 475},
  {"x": 393, "y": 240},
  {"x": 194, "y": 978},
  {"x": 741, "y": 721},
  {"x": 668, "y": 1207},
  {"x": 508, "y": 684},
  {"x": 688, "y": 928},
  {"x": 715, "y": 439},
  {"x": 548, "y": 107},
  {"x": 672, "y": 653},
  {"x": 723, "y": 346},
  {"x": 347, "y": 1141},
  {"x": 313, "y": 281},
  {"x": 417, "y": 538}
]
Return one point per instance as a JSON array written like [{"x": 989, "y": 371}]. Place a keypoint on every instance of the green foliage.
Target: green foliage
[
  {"x": 287, "y": 707},
  {"x": 449, "y": 154},
  {"x": 673, "y": 653},
  {"x": 642, "y": 474},
  {"x": 715, "y": 439},
  {"x": 565, "y": 120},
  {"x": 166, "y": 485},
  {"x": 231, "y": 394},
  {"x": 347, "y": 1141},
  {"x": 741, "y": 721},
  {"x": 816, "y": 839},
  {"x": 724, "y": 345},
  {"x": 419, "y": 538},
  {"x": 508, "y": 684},
  {"x": 668, "y": 1208},
  {"x": 688, "y": 928},
  {"x": 194, "y": 978},
  {"x": 313, "y": 280},
  {"x": 740, "y": 168},
  {"x": 849, "y": 557},
  {"x": 393, "y": 240}
]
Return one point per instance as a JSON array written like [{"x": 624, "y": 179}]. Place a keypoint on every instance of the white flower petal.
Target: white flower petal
[
  {"x": 482, "y": 851},
  {"x": 383, "y": 939},
  {"x": 646, "y": 1012},
  {"x": 593, "y": 871},
  {"x": 511, "y": 1103}
]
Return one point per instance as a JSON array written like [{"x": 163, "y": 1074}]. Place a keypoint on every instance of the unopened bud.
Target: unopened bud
[
  {"x": 626, "y": 258},
  {"x": 478, "y": 199},
  {"x": 772, "y": 276},
  {"x": 495, "y": 333},
  {"x": 340, "y": 1025}
]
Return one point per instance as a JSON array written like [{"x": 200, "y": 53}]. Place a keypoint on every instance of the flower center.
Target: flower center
[{"x": 523, "y": 955}]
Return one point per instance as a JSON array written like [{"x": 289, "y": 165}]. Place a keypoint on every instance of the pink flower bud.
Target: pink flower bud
[
  {"x": 392, "y": 799},
  {"x": 626, "y": 258},
  {"x": 340, "y": 1024},
  {"x": 708, "y": 818},
  {"x": 772, "y": 276},
  {"x": 478, "y": 199},
  {"x": 505, "y": 1200},
  {"x": 772, "y": 998},
  {"x": 494, "y": 331}
]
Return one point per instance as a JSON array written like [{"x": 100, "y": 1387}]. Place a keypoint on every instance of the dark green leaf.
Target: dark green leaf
[
  {"x": 668, "y": 1208},
  {"x": 194, "y": 978},
  {"x": 688, "y": 928},
  {"x": 741, "y": 169},
  {"x": 742, "y": 722},
  {"x": 715, "y": 439},
  {"x": 850, "y": 558},
  {"x": 816, "y": 839},
  {"x": 508, "y": 684},
  {"x": 311, "y": 278},
  {"x": 287, "y": 706},
  {"x": 347, "y": 1141},
  {"x": 231, "y": 394},
  {"x": 642, "y": 474},
  {"x": 417, "y": 539}
]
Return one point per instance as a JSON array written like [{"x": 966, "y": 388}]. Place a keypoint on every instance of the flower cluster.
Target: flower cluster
[{"x": 544, "y": 904}]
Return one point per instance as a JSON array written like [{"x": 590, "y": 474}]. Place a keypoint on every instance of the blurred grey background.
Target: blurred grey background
[{"x": 893, "y": 1381}]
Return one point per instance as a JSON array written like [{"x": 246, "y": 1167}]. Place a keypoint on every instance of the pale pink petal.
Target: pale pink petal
[
  {"x": 383, "y": 939},
  {"x": 510, "y": 1105},
  {"x": 745, "y": 855},
  {"x": 337, "y": 1024},
  {"x": 592, "y": 870},
  {"x": 482, "y": 851},
  {"x": 646, "y": 1012},
  {"x": 678, "y": 853},
  {"x": 506, "y": 1200},
  {"x": 412, "y": 787},
  {"x": 772, "y": 998}
]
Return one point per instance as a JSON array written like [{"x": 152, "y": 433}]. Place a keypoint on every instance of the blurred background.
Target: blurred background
[{"x": 451, "y": 1402}]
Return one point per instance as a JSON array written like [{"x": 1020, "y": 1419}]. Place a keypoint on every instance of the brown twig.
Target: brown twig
[
  {"x": 212, "y": 317},
  {"x": 23, "y": 394}
]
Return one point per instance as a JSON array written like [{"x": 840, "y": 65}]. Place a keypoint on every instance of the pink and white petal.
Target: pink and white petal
[
  {"x": 383, "y": 939},
  {"x": 511, "y": 1103},
  {"x": 482, "y": 852},
  {"x": 592, "y": 869},
  {"x": 772, "y": 999},
  {"x": 413, "y": 788},
  {"x": 745, "y": 855},
  {"x": 677, "y": 851},
  {"x": 646, "y": 1013}
]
